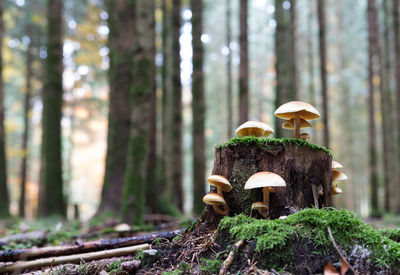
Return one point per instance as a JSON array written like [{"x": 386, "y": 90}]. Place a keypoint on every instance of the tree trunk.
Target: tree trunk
[
  {"x": 300, "y": 166},
  {"x": 53, "y": 200},
  {"x": 229, "y": 70},
  {"x": 4, "y": 198},
  {"x": 324, "y": 80},
  {"x": 198, "y": 108},
  {"x": 25, "y": 135},
  {"x": 294, "y": 38},
  {"x": 120, "y": 23},
  {"x": 373, "y": 63},
  {"x": 284, "y": 65},
  {"x": 176, "y": 158},
  {"x": 396, "y": 30},
  {"x": 244, "y": 65},
  {"x": 141, "y": 94}
]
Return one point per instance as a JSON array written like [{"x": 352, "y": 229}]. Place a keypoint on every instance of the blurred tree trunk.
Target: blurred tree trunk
[
  {"x": 176, "y": 156},
  {"x": 373, "y": 78},
  {"x": 324, "y": 80},
  {"x": 4, "y": 198},
  {"x": 120, "y": 23},
  {"x": 141, "y": 94},
  {"x": 229, "y": 69},
  {"x": 387, "y": 111},
  {"x": 285, "y": 60},
  {"x": 27, "y": 109},
  {"x": 198, "y": 108},
  {"x": 396, "y": 28},
  {"x": 53, "y": 202},
  {"x": 294, "y": 38},
  {"x": 244, "y": 64}
]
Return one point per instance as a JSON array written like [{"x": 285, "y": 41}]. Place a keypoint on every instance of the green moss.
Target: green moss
[
  {"x": 277, "y": 237},
  {"x": 184, "y": 269},
  {"x": 210, "y": 266},
  {"x": 265, "y": 142},
  {"x": 391, "y": 233}
]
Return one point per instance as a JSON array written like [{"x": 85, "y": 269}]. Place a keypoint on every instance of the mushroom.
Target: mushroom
[
  {"x": 267, "y": 181},
  {"x": 218, "y": 203},
  {"x": 220, "y": 182},
  {"x": 254, "y": 128},
  {"x": 297, "y": 110},
  {"x": 338, "y": 175},
  {"x": 336, "y": 165},
  {"x": 336, "y": 190},
  {"x": 289, "y": 124},
  {"x": 305, "y": 136}
]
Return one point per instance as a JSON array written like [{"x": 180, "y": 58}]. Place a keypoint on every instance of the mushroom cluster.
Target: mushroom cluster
[
  {"x": 337, "y": 176},
  {"x": 217, "y": 199},
  {"x": 254, "y": 128},
  {"x": 296, "y": 114}
]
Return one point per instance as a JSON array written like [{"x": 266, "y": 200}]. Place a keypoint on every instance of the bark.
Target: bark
[
  {"x": 324, "y": 80},
  {"x": 34, "y": 253},
  {"x": 396, "y": 30},
  {"x": 373, "y": 67},
  {"x": 198, "y": 108},
  {"x": 52, "y": 201},
  {"x": 284, "y": 64},
  {"x": 294, "y": 38},
  {"x": 120, "y": 23},
  {"x": 4, "y": 197},
  {"x": 141, "y": 94},
  {"x": 299, "y": 166},
  {"x": 244, "y": 64},
  {"x": 229, "y": 70},
  {"x": 176, "y": 158},
  {"x": 26, "y": 132}
]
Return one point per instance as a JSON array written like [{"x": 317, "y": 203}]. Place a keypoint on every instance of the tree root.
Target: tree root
[{"x": 228, "y": 262}]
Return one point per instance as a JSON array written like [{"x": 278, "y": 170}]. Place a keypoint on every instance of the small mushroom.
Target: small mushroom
[
  {"x": 218, "y": 203},
  {"x": 336, "y": 190},
  {"x": 289, "y": 124},
  {"x": 220, "y": 182},
  {"x": 254, "y": 128},
  {"x": 336, "y": 165},
  {"x": 305, "y": 136},
  {"x": 297, "y": 110},
  {"x": 267, "y": 181}
]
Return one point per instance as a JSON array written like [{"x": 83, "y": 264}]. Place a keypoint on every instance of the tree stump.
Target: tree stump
[{"x": 305, "y": 167}]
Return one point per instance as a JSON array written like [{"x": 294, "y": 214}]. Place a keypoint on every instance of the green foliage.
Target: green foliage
[
  {"x": 184, "y": 269},
  {"x": 139, "y": 255},
  {"x": 115, "y": 266},
  {"x": 276, "y": 237},
  {"x": 210, "y": 266},
  {"x": 188, "y": 223},
  {"x": 391, "y": 233},
  {"x": 265, "y": 142}
]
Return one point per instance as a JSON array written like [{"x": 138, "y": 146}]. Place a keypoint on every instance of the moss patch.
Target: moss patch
[
  {"x": 264, "y": 142},
  {"x": 391, "y": 233},
  {"x": 308, "y": 228}
]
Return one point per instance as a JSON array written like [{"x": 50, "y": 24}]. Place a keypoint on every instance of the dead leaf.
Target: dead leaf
[
  {"x": 344, "y": 267},
  {"x": 330, "y": 270}
]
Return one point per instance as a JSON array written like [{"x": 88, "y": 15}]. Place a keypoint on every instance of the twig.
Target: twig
[
  {"x": 227, "y": 263},
  {"x": 338, "y": 251}
]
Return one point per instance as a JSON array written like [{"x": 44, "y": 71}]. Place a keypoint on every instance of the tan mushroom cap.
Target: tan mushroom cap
[
  {"x": 213, "y": 198},
  {"x": 264, "y": 179},
  {"x": 336, "y": 190},
  {"x": 254, "y": 128},
  {"x": 337, "y": 175},
  {"x": 306, "y": 111},
  {"x": 336, "y": 165},
  {"x": 289, "y": 124},
  {"x": 220, "y": 181},
  {"x": 306, "y": 136},
  {"x": 259, "y": 206}
]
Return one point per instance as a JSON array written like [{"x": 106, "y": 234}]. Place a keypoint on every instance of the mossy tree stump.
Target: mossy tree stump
[{"x": 302, "y": 165}]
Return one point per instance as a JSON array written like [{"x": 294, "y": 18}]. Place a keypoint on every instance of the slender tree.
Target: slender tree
[
  {"x": 142, "y": 92},
  {"x": 176, "y": 157},
  {"x": 52, "y": 200},
  {"x": 4, "y": 199},
  {"x": 244, "y": 64},
  {"x": 198, "y": 107},
  {"x": 229, "y": 69},
  {"x": 120, "y": 23},
  {"x": 324, "y": 78},
  {"x": 294, "y": 38},
  {"x": 373, "y": 63}
]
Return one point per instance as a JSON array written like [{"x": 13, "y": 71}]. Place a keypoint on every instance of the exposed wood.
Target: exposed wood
[
  {"x": 33, "y": 253},
  {"x": 76, "y": 258},
  {"x": 228, "y": 261}
]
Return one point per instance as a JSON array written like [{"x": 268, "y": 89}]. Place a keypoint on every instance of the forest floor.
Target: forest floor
[{"x": 307, "y": 242}]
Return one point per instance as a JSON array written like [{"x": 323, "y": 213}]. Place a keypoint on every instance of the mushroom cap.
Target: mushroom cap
[
  {"x": 220, "y": 181},
  {"x": 257, "y": 129},
  {"x": 336, "y": 190},
  {"x": 287, "y": 110},
  {"x": 259, "y": 206},
  {"x": 264, "y": 179},
  {"x": 337, "y": 175},
  {"x": 213, "y": 198},
  {"x": 289, "y": 124},
  {"x": 336, "y": 165},
  {"x": 305, "y": 136}
]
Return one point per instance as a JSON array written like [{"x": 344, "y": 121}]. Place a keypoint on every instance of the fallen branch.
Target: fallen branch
[
  {"x": 34, "y": 253},
  {"x": 338, "y": 251},
  {"x": 228, "y": 261},
  {"x": 24, "y": 265}
]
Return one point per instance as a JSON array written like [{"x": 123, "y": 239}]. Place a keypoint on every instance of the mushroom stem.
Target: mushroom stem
[
  {"x": 224, "y": 211},
  {"x": 296, "y": 121},
  {"x": 266, "y": 196},
  {"x": 219, "y": 190}
]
